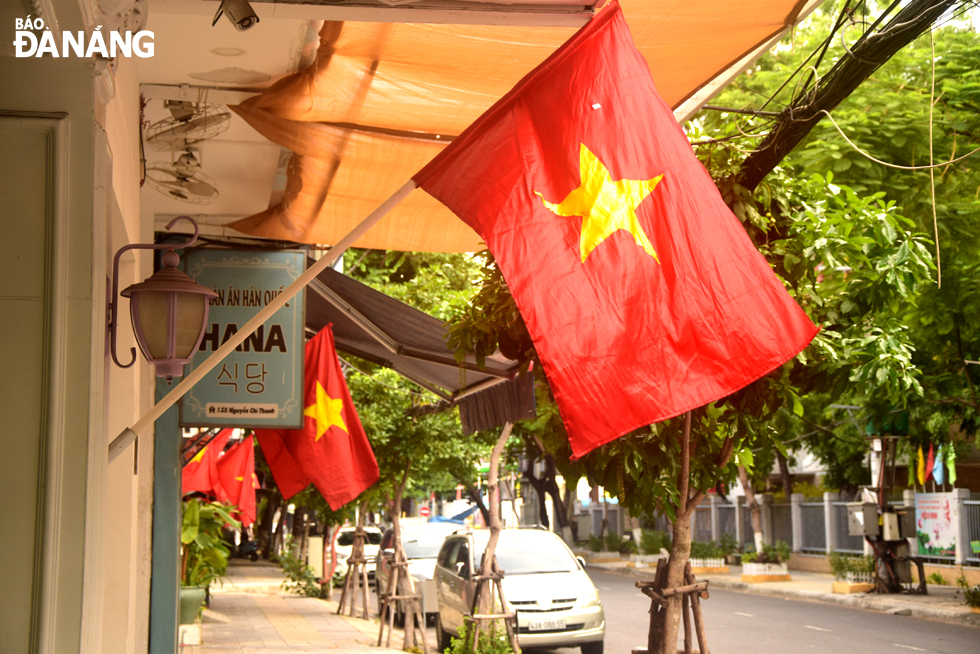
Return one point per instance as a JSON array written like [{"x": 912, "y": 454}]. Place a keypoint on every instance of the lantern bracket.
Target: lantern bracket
[{"x": 113, "y": 304}]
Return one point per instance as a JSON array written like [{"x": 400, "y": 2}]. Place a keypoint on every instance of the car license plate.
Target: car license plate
[{"x": 546, "y": 625}]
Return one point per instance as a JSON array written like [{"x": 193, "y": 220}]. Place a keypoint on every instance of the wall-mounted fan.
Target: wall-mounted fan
[
  {"x": 188, "y": 123},
  {"x": 183, "y": 180}
]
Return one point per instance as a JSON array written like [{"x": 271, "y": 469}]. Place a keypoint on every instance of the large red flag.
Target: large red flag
[
  {"x": 331, "y": 451},
  {"x": 235, "y": 472},
  {"x": 200, "y": 474},
  {"x": 642, "y": 292}
]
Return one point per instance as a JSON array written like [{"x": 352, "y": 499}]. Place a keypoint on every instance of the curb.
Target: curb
[{"x": 881, "y": 603}]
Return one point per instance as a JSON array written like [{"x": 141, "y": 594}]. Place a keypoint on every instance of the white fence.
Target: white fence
[{"x": 819, "y": 527}]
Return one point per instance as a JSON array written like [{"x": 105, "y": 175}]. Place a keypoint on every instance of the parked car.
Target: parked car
[
  {"x": 345, "y": 547},
  {"x": 422, "y": 543},
  {"x": 556, "y": 603}
]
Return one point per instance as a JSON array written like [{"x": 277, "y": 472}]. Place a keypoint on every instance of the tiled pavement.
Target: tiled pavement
[{"x": 249, "y": 614}]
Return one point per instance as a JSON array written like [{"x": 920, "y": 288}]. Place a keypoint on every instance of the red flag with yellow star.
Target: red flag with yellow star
[
  {"x": 200, "y": 474},
  {"x": 331, "y": 451},
  {"x": 236, "y": 470},
  {"x": 641, "y": 290}
]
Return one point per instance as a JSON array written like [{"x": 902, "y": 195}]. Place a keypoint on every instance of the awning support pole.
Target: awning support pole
[{"x": 122, "y": 441}]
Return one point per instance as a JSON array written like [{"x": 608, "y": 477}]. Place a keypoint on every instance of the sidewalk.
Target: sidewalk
[
  {"x": 250, "y": 614},
  {"x": 943, "y": 603}
]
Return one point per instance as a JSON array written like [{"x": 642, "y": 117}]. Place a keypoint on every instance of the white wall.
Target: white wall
[{"x": 128, "y": 392}]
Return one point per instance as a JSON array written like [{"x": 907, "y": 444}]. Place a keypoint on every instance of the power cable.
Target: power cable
[{"x": 885, "y": 163}]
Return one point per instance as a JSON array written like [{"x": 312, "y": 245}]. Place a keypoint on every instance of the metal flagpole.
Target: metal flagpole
[{"x": 122, "y": 441}]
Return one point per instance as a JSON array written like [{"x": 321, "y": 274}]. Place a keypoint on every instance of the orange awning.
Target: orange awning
[{"x": 382, "y": 99}]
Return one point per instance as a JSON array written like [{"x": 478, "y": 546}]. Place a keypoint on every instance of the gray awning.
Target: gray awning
[{"x": 380, "y": 329}]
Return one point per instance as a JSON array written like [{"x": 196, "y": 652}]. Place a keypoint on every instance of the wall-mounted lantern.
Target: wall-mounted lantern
[{"x": 169, "y": 310}]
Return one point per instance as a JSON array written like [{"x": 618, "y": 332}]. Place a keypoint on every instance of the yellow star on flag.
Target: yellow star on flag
[
  {"x": 326, "y": 411},
  {"x": 199, "y": 455},
  {"x": 604, "y": 205}
]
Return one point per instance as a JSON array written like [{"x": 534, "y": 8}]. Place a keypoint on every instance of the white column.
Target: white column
[
  {"x": 908, "y": 496},
  {"x": 796, "y": 515},
  {"x": 961, "y": 525},
  {"x": 739, "y": 508},
  {"x": 829, "y": 524},
  {"x": 715, "y": 522},
  {"x": 768, "y": 529}
]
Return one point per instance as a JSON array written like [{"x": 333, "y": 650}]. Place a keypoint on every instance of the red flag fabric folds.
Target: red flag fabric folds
[
  {"x": 641, "y": 290},
  {"x": 331, "y": 451},
  {"x": 201, "y": 474},
  {"x": 236, "y": 470},
  {"x": 930, "y": 464}
]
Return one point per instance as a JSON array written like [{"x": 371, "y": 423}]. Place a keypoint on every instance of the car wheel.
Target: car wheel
[
  {"x": 445, "y": 640},
  {"x": 592, "y": 648}
]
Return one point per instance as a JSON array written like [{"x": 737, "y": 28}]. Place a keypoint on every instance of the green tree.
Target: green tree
[{"x": 888, "y": 117}]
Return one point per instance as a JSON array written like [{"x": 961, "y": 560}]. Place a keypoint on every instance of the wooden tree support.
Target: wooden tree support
[
  {"x": 484, "y": 609},
  {"x": 391, "y": 598},
  {"x": 356, "y": 576},
  {"x": 692, "y": 593}
]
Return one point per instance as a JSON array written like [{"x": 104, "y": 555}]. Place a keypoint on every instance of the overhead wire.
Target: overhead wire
[{"x": 891, "y": 165}]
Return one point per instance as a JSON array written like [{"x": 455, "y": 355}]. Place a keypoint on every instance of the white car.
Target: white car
[
  {"x": 345, "y": 547},
  {"x": 545, "y": 584},
  {"x": 422, "y": 543}
]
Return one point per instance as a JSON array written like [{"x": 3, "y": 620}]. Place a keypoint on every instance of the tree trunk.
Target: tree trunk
[
  {"x": 330, "y": 533},
  {"x": 303, "y": 550},
  {"x": 406, "y": 586},
  {"x": 474, "y": 494},
  {"x": 568, "y": 532},
  {"x": 264, "y": 536},
  {"x": 753, "y": 505},
  {"x": 551, "y": 485},
  {"x": 785, "y": 474},
  {"x": 680, "y": 549},
  {"x": 538, "y": 485},
  {"x": 633, "y": 524},
  {"x": 486, "y": 566},
  {"x": 605, "y": 513},
  {"x": 280, "y": 533}
]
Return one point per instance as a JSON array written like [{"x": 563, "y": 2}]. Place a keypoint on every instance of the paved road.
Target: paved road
[{"x": 745, "y": 623}]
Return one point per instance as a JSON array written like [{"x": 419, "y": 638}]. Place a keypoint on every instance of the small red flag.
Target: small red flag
[
  {"x": 331, "y": 451},
  {"x": 930, "y": 464},
  {"x": 235, "y": 472},
  {"x": 200, "y": 474},
  {"x": 641, "y": 290}
]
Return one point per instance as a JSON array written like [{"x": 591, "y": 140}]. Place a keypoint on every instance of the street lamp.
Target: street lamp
[{"x": 169, "y": 310}]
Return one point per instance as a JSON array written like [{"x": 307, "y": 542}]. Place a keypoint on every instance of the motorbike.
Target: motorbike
[{"x": 248, "y": 549}]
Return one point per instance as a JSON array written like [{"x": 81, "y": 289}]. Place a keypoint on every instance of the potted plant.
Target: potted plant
[
  {"x": 653, "y": 545},
  {"x": 204, "y": 554},
  {"x": 972, "y": 598},
  {"x": 767, "y": 565},
  {"x": 852, "y": 574},
  {"x": 707, "y": 558},
  {"x": 600, "y": 550},
  {"x": 730, "y": 549}
]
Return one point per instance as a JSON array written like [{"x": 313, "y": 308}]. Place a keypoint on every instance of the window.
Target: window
[
  {"x": 448, "y": 553},
  {"x": 461, "y": 563},
  {"x": 423, "y": 546},
  {"x": 524, "y": 557}
]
